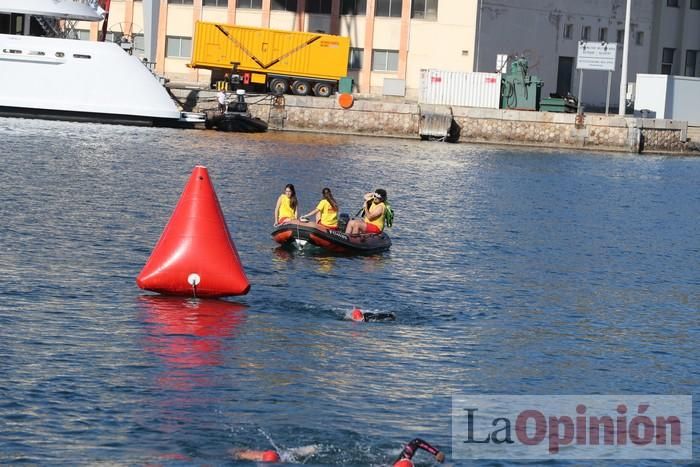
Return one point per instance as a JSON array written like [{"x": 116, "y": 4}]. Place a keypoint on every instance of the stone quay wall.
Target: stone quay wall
[{"x": 375, "y": 117}]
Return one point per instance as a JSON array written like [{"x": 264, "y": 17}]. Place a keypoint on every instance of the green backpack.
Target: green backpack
[{"x": 388, "y": 215}]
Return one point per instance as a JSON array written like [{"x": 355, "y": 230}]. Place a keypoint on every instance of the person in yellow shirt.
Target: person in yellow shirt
[
  {"x": 373, "y": 222},
  {"x": 326, "y": 211},
  {"x": 286, "y": 208}
]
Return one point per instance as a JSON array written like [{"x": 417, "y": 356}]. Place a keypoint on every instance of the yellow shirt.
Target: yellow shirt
[
  {"x": 285, "y": 208},
  {"x": 329, "y": 216},
  {"x": 378, "y": 222}
]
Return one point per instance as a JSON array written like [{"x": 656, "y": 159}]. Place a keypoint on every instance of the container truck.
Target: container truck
[{"x": 273, "y": 60}]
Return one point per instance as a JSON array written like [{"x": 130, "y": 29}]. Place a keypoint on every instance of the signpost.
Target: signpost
[{"x": 599, "y": 56}]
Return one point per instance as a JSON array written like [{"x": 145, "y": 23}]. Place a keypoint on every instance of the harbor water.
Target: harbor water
[{"x": 512, "y": 271}]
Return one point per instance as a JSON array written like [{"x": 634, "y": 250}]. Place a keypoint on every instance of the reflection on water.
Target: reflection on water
[{"x": 187, "y": 334}]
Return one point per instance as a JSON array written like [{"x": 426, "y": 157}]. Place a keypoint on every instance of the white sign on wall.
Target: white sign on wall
[{"x": 596, "y": 56}]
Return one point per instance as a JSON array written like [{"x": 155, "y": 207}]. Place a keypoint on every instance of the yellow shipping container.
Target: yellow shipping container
[{"x": 302, "y": 60}]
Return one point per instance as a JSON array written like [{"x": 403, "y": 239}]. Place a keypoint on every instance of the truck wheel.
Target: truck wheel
[
  {"x": 278, "y": 86},
  {"x": 323, "y": 89},
  {"x": 301, "y": 87}
]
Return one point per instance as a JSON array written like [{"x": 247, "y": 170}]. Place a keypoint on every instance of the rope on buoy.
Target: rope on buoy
[{"x": 194, "y": 280}]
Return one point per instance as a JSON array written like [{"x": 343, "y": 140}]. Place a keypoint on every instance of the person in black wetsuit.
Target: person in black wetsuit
[
  {"x": 359, "y": 315},
  {"x": 404, "y": 459}
]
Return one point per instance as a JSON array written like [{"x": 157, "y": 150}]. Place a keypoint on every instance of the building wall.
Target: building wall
[
  {"x": 677, "y": 29},
  {"x": 536, "y": 30},
  {"x": 444, "y": 43},
  {"x": 466, "y": 36}
]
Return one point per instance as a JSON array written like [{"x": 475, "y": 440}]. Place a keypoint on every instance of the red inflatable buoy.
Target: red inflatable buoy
[
  {"x": 270, "y": 456},
  {"x": 403, "y": 463},
  {"x": 195, "y": 254}
]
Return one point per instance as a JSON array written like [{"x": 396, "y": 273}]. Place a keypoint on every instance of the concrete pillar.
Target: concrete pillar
[
  {"x": 335, "y": 17},
  {"x": 160, "y": 41},
  {"x": 403, "y": 40},
  {"x": 300, "y": 19},
  {"x": 265, "y": 13},
  {"x": 94, "y": 29},
  {"x": 129, "y": 17},
  {"x": 231, "y": 12},
  {"x": 366, "y": 72},
  {"x": 197, "y": 6}
]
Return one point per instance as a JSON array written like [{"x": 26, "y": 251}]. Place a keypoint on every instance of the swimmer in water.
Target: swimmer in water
[
  {"x": 256, "y": 456},
  {"x": 292, "y": 455},
  {"x": 359, "y": 315},
  {"x": 289, "y": 455},
  {"x": 404, "y": 459}
]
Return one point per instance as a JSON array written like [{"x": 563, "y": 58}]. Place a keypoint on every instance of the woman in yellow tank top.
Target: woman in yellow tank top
[
  {"x": 286, "y": 208},
  {"x": 373, "y": 222},
  {"x": 326, "y": 210}
]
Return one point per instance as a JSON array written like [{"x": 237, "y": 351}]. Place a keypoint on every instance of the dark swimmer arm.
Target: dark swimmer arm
[{"x": 410, "y": 450}]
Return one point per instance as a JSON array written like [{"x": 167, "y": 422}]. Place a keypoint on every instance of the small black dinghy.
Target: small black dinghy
[
  {"x": 236, "y": 117},
  {"x": 298, "y": 232}
]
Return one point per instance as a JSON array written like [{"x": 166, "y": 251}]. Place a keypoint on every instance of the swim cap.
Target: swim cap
[
  {"x": 403, "y": 463},
  {"x": 357, "y": 315},
  {"x": 270, "y": 456}
]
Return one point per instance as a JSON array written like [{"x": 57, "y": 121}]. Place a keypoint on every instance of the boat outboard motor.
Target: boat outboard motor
[
  {"x": 343, "y": 220},
  {"x": 235, "y": 78},
  {"x": 240, "y": 105}
]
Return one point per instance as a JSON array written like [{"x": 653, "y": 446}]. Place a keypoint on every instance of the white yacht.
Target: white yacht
[{"x": 57, "y": 78}]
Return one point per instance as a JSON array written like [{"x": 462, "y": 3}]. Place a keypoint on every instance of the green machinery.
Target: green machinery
[{"x": 520, "y": 91}]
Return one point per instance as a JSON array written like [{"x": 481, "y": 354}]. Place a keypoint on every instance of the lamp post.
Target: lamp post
[{"x": 625, "y": 57}]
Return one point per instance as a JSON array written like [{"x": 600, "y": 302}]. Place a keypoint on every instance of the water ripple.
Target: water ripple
[{"x": 512, "y": 272}]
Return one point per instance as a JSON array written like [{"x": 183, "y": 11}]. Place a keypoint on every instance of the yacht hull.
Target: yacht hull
[{"x": 79, "y": 80}]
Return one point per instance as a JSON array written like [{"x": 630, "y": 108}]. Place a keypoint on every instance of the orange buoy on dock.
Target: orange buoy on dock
[
  {"x": 345, "y": 100},
  {"x": 195, "y": 254}
]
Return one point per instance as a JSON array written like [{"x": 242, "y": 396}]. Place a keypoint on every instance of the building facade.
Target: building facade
[
  {"x": 395, "y": 39},
  {"x": 664, "y": 38},
  {"x": 389, "y": 38}
]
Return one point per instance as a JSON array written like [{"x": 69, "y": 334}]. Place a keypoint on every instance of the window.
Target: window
[
  {"x": 180, "y": 2},
  {"x": 318, "y": 6},
  {"x": 178, "y": 47},
  {"x": 114, "y": 37},
  {"x": 586, "y": 33},
  {"x": 5, "y": 22},
  {"x": 219, "y": 3},
  {"x": 620, "y": 36},
  {"x": 355, "y": 59},
  {"x": 568, "y": 31},
  {"x": 672, "y": 3},
  {"x": 353, "y": 7},
  {"x": 391, "y": 8},
  {"x": 695, "y": 4},
  {"x": 667, "y": 61},
  {"x": 284, "y": 5},
  {"x": 639, "y": 38},
  {"x": 603, "y": 35},
  {"x": 139, "y": 42},
  {"x": 424, "y": 9},
  {"x": 82, "y": 34},
  {"x": 385, "y": 60},
  {"x": 691, "y": 58},
  {"x": 257, "y": 4}
]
